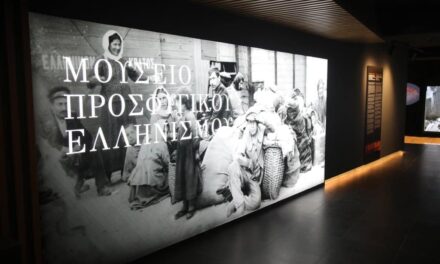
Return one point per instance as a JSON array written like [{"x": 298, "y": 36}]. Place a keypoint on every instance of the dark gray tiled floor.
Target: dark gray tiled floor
[{"x": 390, "y": 215}]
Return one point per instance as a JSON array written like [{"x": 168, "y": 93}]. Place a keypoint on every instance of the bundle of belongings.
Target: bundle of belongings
[
  {"x": 146, "y": 171},
  {"x": 235, "y": 155},
  {"x": 232, "y": 160}
]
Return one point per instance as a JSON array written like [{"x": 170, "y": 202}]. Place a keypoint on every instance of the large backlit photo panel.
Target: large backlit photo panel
[{"x": 147, "y": 138}]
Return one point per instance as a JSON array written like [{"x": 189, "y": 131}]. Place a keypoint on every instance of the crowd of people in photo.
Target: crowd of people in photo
[
  {"x": 432, "y": 109},
  {"x": 224, "y": 165},
  {"x": 432, "y": 125}
]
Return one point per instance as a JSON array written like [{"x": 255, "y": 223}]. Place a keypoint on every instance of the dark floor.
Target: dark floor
[{"x": 390, "y": 214}]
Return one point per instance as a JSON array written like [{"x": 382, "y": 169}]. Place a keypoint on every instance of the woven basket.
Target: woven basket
[
  {"x": 273, "y": 172},
  {"x": 172, "y": 181}
]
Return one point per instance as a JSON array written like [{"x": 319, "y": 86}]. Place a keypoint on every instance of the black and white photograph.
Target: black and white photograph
[
  {"x": 146, "y": 139},
  {"x": 432, "y": 109}
]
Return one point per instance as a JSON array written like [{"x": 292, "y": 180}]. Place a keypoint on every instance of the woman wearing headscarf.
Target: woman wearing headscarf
[
  {"x": 113, "y": 46},
  {"x": 188, "y": 174},
  {"x": 149, "y": 179}
]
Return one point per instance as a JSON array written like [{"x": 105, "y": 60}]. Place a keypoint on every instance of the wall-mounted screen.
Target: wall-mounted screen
[
  {"x": 412, "y": 94},
  {"x": 432, "y": 109},
  {"x": 147, "y": 138}
]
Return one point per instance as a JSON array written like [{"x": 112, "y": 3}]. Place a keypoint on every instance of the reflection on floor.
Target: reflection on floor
[
  {"x": 390, "y": 215},
  {"x": 354, "y": 175}
]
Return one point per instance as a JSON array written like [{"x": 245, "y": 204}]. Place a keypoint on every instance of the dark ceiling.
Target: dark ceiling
[
  {"x": 415, "y": 23},
  {"x": 320, "y": 17}
]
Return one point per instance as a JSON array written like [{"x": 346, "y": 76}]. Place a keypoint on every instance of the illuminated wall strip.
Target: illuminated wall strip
[
  {"x": 422, "y": 140},
  {"x": 359, "y": 172}
]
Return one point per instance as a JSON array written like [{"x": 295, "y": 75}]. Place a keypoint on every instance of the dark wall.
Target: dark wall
[
  {"x": 347, "y": 99},
  {"x": 394, "y": 107},
  {"x": 347, "y": 63},
  {"x": 19, "y": 229},
  {"x": 422, "y": 73}
]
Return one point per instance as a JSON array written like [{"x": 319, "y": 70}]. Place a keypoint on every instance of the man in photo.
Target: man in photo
[
  {"x": 300, "y": 123},
  {"x": 246, "y": 169},
  {"x": 82, "y": 165},
  {"x": 234, "y": 94},
  {"x": 220, "y": 107}
]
